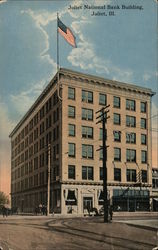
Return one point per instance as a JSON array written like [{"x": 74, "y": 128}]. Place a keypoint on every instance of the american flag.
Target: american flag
[{"x": 66, "y": 33}]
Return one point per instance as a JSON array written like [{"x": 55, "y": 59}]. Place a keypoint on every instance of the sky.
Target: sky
[{"x": 120, "y": 47}]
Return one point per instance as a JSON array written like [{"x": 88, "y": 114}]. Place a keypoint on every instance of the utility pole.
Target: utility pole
[
  {"x": 48, "y": 184},
  {"x": 103, "y": 119}
]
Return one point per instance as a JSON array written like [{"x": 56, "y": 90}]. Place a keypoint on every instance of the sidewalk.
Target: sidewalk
[
  {"x": 145, "y": 224},
  {"x": 132, "y": 214}
]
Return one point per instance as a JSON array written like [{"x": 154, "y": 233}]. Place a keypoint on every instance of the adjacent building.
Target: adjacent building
[
  {"x": 69, "y": 126},
  {"x": 155, "y": 189}
]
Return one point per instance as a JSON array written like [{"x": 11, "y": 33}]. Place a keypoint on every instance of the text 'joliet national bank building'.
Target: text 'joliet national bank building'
[{"x": 69, "y": 126}]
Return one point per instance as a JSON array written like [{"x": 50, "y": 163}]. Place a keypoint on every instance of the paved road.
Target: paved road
[{"x": 47, "y": 233}]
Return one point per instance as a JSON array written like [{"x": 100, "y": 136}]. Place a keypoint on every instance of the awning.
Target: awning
[
  {"x": 156, "y": 199},
  {"x": 71, "y": 195}
]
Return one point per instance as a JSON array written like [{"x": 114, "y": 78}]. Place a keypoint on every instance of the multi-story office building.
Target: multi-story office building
[{"x": 69, "y": 125}]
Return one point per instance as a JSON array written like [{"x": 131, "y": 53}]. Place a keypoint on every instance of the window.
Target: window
[
  {"x": 87, "y": 151},
  {"x": 116, "y": 102},
  {"x": 101, "y": 173},
  {"x": 54, "y": 116},
  {"x": 87, "y": 114},
  {"x": 71, "y": 130},
  {"x": 155, "y": 183},
  {"x": 117, "y": 119},
  {"x": 102, "y": 99},
  {"x": 130, "y": 155},
  {"x": 42, "y": 112},
  {"x": 87, "y": 173},
  {"x": 48, "y": 105},
  {"x": 143, "y": 123},
  {"x": 144, "y": 175},
  {"x": 42, "y": 143},
  {"x": 41, "y": 128},
  {"x": 48, "y": 122},
  {"x": 117, "y": 136},
  {"x": 100, "y": 134},
  {"x": 87, "y": 96},
  {"x": 71, "y": 172},
  {"x": 71, "y": 111},
  {"x": 41, "y": 178},
  {"x": 72, "y": 147},
  {"x": 143, "y": 107},
  {"x": 143, "y": 139},
  {"x": 130, "y": 105},
  {"x": 143, "y": 156},
  {"x": 55, "y": 98},
  {"x": 101, "y": 154},
  {"x": 117, "y": 154},
  {"x": 131, "y": 175},
  {"x": 87, "y": 132},
  {"x": 42, "y": 160},
  {"x": 130, "y": 121},
  {"x": 117, "y": 174},
  {"x": 57, "y": 114},
  {"x": 36, "y": 180},
  {"x": 71, "y": 93},
  {"x": 131, "y": 138}
]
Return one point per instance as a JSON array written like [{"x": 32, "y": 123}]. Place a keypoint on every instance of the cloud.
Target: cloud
[
  {"x": 85, "y": 56},
  {"x": 23, "y": 100},
  {"x": 6, "y": 124},
  {"x": 146, "y": 77},
  {"x": 42, "y": 19}
]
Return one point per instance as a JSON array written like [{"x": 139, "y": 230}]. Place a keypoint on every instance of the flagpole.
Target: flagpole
[
  {"x": 58, "y": 85},
  {"x": 57, "y": 44}
]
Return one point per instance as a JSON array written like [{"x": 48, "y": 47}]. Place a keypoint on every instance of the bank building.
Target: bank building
[{"x": 69, "y": 126}]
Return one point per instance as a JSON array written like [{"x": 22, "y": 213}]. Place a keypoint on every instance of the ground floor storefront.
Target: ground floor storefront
[
  {"x": 131, "y": 200},
  {"x": 80, "y": 199}
]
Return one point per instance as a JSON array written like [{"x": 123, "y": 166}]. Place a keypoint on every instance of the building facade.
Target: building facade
[
  {"x": 155, "y": 189},
  {"x": 69, "y": 126}
]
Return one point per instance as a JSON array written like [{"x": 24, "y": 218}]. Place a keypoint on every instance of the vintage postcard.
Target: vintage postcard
[{"x": 78, "y": 124}]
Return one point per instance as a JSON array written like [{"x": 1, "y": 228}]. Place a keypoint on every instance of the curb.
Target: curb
[{"x": 141, "y": 226}]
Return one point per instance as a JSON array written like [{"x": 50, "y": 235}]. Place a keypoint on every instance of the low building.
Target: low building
[
  {"x": 69, "y": 126},
  {"x": 155, "y": 189}
]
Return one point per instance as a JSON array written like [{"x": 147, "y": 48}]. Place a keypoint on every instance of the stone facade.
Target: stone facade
[{"x": 76, "y": 164}]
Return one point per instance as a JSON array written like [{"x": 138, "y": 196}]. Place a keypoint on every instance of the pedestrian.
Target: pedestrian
[
  {"x": 118, "y": 208},
  {"x": 111, "y": 212},
  {"x": 4, "y": 211}
]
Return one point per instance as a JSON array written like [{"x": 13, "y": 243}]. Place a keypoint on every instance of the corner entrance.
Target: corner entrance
[{"x": 87, "y": 203}]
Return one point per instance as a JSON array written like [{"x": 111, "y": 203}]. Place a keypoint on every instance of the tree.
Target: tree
[{"x": 3, "y": 198}]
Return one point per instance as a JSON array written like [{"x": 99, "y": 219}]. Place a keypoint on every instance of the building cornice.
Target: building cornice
[
  {"x": 91, "y": 79},
  {"x": 105, "y": 82}
]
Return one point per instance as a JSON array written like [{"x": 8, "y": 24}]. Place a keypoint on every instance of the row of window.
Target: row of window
[
  {"x": 37, "y": 179},
  {"x": 43, "y": 111},
  {"x": 32, "y": 150},
  {"x": 88, "y": 153},
  {"x": 28, "y": 167},
  {"x": 87, "y": 132},
  {"x": 130, "y": 155},
  {"x": 88, "y": 174},
  {"x": 87, "y": 96},
  {"x": 50, "y": 136},
  {"x": 87, "y": 114}
]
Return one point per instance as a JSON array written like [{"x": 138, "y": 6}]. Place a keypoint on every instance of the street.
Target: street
[{"x": 46, "y": 233}]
